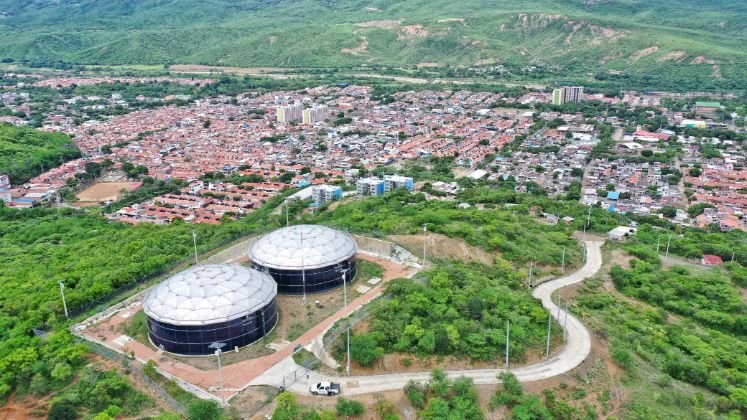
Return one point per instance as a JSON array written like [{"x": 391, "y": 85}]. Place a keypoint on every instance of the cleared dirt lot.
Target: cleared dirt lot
[{"x": 106, "y": 191}]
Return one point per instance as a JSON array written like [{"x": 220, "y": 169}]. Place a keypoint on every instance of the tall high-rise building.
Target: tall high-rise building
[
  {"x": 289, "y": 113},
  {"x": 315, "y": 114},
  {"x": 567, "y": 94},
  {"x": 557, "y": 96},
  {"x": 573, "y": 94}
]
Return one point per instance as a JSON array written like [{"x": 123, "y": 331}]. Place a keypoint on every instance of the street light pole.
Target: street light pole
[
  {"x": 530, "y": 273},
  {"x": 303, "y": 270},
  {"x": 547, "y": 346},
  {"x": 565, "y": 323},
  {"x": 425, "y": 239},
  {"x": 347, "y": 332},
  {"x": 194, "y": 241},
  {"x": 64, "y": 303},
  {"x": 562, "y": 261},
  {"x": 218, "y": 346},
  {"x": 508, "y": 330},
  {"x": 220, "y": 375}
]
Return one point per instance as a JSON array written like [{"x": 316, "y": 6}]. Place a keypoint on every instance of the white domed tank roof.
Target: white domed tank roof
[
  {"x": 302, "y": 247},
  {"x": 207, "y": 294}
]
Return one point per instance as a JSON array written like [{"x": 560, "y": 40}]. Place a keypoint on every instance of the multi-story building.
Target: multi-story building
[
  {"x": 315, "y": 114},
  {"x": 573, "y": 94},
  {"x": 322, "y": 194},
  {"x": 289, "y": 113},
  {"x": 370, "y": 186},
  {"x": 392, "y": 182},
  {"x": 557, "y": 96},
  {"x": 567, "y": 94}
]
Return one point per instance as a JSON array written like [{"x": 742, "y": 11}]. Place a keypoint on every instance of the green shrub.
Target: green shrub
[
  {"x": 203, "y": 410},
  {"x": 386, "y": 410},
  {"x": 348, "y": 408},
  {"x": 415, "y": 392},
  {"x": 365, "y": 350}
]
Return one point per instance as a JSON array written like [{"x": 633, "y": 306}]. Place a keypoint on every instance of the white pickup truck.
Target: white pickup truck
[{"x": 325, "y": 388}]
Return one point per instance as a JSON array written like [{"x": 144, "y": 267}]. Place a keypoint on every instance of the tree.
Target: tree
[
  {"x": 62, "y": 410},
  {"x": 475, "y": 307},
  {"x": 203, "y": 410},
  {"x": 287, "y": 177},
  {"x": 647, "y": 153},
  {"x": 287, "y": 407},
  {"x": 61, "y": 373},
  {"x": 511, "y": 394},
  {"x": 695, "y": 172},
  {"x": 93, "y": 169},
  {"x": 669, "y": 212},
  {"x": 365, "y": 350}
]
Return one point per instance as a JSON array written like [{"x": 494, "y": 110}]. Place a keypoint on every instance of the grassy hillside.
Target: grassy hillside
[
  {"x": 25, "y": 153},
  {"x": 695, "y": 40}
]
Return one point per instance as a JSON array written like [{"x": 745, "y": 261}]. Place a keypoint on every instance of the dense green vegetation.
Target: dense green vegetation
[
  {"x": 443, "y": 398},
  {"x": 708, "y": 348},
  {"x": 645, "y": 339},
  {"x": 25, "y": 153},
  {"x": 96, "y": 259},
  {"x": 510, "y": 232},
  {"x": 98, "y": 391},
  {"x": 457, "y": 310},
  {"x": 615, "y": 43},
  {"x": 693, "y": 243}
]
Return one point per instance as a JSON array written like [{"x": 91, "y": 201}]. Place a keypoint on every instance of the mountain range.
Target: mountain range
[{"x": 690, "y": 38}]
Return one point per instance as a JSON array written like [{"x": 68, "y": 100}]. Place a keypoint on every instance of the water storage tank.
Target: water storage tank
[
  {"x": 211, "y": 303},
  {"x": 305, "y": 258}
]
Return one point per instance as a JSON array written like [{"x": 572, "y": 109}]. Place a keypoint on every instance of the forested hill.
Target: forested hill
[
  {"x": 25, "y": 153},
  {"x": 696, "y": 39}
]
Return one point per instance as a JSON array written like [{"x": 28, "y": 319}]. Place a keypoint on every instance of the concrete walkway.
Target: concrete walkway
[{"x": 575, "y": 351}]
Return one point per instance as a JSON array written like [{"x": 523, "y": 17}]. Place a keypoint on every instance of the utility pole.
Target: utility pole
[
  {"x": 547, "y": 346},
  {"x": 658, "y": 239},
  {"x": 220, "y": 374},
  {"x": 194, "y": 241},
  {"x": 425, "y": 239},
  {"x": 508, "y": 330},
  {"x": 64, "y": 303},
  {"x": 562, "y": 261},
  {"x": 286, "y": 213},
  {"x": 218, "y": 346},
  {"x": 303, "y": 271},
  {"x": 565, "y": 323},
  {"x": 666, "y": 258},
  {"x": 530, "y": 273},
  {"x": 732, "y": 255},
  {"x": 345, "y": 291}
]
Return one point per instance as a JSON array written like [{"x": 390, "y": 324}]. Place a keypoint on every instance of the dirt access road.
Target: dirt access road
[{"x": 575, "y": 351}]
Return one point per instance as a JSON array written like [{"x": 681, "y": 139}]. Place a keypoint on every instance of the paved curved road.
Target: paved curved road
[{"x": 575, "y": 351}]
